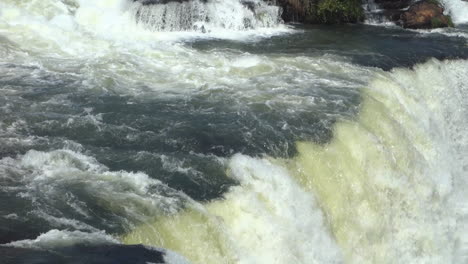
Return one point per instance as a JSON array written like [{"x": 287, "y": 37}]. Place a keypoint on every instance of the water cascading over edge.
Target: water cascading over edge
[{"x": 205, "y": 15}]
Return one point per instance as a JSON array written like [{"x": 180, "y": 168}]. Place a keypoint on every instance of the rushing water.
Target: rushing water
[{"x": 227, "y": 137}]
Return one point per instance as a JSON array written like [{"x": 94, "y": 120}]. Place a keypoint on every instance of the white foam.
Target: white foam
[
  {"x": 392, "y": 181},
  {"x": 128, "y": 21},
  {"x": 272, "y": 219},
  {"x": 62, "y": 222},
  {"x": 11, "y": 216},
  {"x": 60, "y": 238},
  {"x": 174, "y": 258},
  {"x": 50, "y": 175},
  {"x": 246, "y": 61},
  {"x": 207, "y": 16},
  {"x": 268, "y": 218},
  {"x": 451, "y": 32},
  {"x": 374, "y": 15},
  {"x": 458, "y": 9},
  {"x": 80, "y": 39}
]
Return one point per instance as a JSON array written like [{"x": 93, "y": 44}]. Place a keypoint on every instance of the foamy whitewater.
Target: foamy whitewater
[
  {"x": 457, "y": 9},
  {"x": 210, "y": 132}
]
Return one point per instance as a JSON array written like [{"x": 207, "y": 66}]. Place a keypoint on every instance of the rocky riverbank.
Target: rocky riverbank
[
  {"x": 322, "y": 11},
  {"x": 423, "y": 14}
]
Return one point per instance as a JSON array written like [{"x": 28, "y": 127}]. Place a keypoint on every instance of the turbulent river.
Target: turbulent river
[{"x": 210, "y": 133}]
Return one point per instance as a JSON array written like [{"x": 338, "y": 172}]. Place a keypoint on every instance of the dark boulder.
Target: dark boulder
[
  {"x": 297, "y": 10},
  {"x": 425, "y": 14},
  {"x": 393, "y": 4}
]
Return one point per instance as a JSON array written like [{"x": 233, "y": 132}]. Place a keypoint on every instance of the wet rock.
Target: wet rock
[
  {"x": 297, "y": 10},
  {"x": 425, "y": 15},
  {"x": 393, "y": 15},
  {"x": 393, "y": 4}
]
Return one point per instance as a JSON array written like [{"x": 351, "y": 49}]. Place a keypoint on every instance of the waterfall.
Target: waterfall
[
  {"x": 206, "y": 16},
  {"x": 457, "y": 9},
  {"x": 373, "y": 12}
]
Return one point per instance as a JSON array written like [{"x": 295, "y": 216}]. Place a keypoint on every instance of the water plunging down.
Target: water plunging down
[
  {"x": 206, "y": 16},
  {"x": 373, "y": 12}
]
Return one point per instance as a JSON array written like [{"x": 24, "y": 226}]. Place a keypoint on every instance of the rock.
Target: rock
[
  {"x": 425, "y": 14},
  {"x": 297, "y": 10},
  {"x": 393, "y": 4},
  {"x": 393, "y": 15},
  {"x": 322, "y": 11}
]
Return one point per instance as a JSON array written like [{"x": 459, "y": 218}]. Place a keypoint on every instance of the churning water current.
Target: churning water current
[{"x": 230, "y": 139}]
